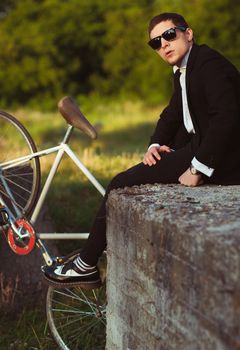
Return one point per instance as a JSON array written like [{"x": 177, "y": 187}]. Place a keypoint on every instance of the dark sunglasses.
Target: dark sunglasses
[{"x": 168, "y": 35}]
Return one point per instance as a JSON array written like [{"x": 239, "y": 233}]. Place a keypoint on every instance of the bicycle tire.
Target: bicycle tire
[
  {"x": 23, "y": 179},
  {"x": 77, "y": 317}
]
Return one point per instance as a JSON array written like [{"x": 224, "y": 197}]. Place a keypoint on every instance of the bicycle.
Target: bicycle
[{"x": 73, "y": 313}]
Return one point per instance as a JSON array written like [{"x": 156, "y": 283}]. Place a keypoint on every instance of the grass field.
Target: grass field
[{"x": 124, "y": 131}]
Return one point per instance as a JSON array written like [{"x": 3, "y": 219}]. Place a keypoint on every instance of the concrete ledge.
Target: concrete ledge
[{"x": 174, "y": 268}]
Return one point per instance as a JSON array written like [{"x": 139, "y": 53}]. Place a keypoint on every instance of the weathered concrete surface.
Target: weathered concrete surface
[{"x": 174, "y": 268}]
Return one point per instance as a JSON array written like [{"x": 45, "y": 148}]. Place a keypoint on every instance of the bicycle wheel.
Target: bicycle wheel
[
  {"x": 77, "y": 317},
  {"x": 20, "y": 181}
]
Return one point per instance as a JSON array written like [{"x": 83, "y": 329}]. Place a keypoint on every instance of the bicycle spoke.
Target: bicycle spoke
[
  {"x": 13, "y": 200},
  {"x": 24, "y": 177},
  {"x": 71, "y": 309},
  {"x": 79, "y": 317},
  {"x": 23, "y": 180},
  {"x": 77, "y": 297},
  {"x": 87, "y": 300}
]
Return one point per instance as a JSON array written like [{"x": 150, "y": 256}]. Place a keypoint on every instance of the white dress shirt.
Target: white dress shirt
[{"x": 187, "y": 120}]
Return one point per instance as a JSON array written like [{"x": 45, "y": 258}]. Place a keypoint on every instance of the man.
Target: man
[{"x": 195, "y": 140}]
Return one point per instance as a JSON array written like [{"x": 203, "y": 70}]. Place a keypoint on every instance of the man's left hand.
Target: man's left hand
[{"x": 188, "y": 179}]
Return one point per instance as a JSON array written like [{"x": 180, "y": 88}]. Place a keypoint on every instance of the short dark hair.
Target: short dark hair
[{"x": 177, "y": 20}]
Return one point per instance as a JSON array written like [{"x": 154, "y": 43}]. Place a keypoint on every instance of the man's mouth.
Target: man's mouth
[{"x": 168, "y": 53}]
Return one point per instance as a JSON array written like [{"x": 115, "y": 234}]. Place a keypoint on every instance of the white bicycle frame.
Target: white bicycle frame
[{"x": 61, "y": 149}]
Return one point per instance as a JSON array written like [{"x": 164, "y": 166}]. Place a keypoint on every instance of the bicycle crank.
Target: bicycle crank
[{"x": 21, "y": 237}]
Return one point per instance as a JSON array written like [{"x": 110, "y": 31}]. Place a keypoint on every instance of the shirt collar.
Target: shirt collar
[{"x": 184, "y": 61}]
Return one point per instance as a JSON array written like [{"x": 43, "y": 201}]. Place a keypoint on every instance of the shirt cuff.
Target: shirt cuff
[
  {"x": 202, "y": 167},
  {"x": 153, "y": 145}
]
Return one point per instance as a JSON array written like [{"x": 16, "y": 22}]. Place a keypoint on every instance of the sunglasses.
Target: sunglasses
[{"x": 168, "y": 35}]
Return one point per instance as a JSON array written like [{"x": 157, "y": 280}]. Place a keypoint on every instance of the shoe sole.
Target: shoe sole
[{"x": 86, "y": 285}]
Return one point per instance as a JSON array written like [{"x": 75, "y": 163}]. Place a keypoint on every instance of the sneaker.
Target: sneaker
[{"x": 69, "y": 274}]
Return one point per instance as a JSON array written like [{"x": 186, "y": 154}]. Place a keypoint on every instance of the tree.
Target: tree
[{"x": 51, "y": 48}]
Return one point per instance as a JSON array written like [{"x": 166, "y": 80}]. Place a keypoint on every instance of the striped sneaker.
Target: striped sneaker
[{"x": 68, "y": 274}]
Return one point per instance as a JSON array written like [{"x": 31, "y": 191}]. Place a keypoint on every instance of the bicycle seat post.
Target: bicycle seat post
[{"x": 68, "y": 134}]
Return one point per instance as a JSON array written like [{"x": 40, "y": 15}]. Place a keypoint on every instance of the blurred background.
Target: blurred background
[
  {"x": 96, "y": 48},
  {"x": 97, "y": 52}
]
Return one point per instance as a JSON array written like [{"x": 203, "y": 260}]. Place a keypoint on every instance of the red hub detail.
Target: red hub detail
[{"x": 22, "y": 246}]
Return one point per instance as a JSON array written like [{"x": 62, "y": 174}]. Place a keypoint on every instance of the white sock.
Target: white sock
[{"x": 81, "y": 265}]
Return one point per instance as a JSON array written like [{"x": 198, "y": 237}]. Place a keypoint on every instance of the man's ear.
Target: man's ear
[{"x": 189, "y": 33}]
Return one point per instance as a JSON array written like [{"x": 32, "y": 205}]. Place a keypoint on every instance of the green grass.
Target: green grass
[
  {"x": 27, "y": 331},
  {"x": 124, "y": 132}
]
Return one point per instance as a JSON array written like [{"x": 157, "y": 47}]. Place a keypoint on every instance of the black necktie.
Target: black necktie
[
  {"x": 176, "y": 80},
  {"x": 178, "y": 88}
]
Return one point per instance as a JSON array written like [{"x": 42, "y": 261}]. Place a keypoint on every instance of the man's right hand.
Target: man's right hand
[{"x": 153, "y": 154}]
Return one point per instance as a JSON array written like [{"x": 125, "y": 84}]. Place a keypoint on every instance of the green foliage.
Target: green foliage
[
  {"x": 6, "y": 6},
  {"x": 47, "y": 49},
  {"x": 50, "y": 48}
]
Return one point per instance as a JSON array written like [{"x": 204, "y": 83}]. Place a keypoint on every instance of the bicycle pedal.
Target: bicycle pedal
[
  {"x": 4, "y": 217},
  {"x": 59, "y": 260}
]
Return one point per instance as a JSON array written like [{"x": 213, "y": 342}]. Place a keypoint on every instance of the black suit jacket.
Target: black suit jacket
[{"x": 213, "y": 92}]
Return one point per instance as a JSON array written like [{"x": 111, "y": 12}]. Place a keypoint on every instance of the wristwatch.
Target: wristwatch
[{"x": 194, "y": 171}]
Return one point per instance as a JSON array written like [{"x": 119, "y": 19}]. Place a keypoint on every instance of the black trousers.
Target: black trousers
[{"x": 167, "y": 170}]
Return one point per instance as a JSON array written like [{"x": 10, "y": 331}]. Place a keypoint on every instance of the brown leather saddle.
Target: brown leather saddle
[{"x": 70, "y": 111}]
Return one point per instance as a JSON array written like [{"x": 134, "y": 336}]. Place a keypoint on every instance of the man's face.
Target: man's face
[{"x": 172, "y": 52}]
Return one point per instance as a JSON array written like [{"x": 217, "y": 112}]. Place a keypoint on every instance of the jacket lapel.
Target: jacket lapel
[{"x": 190, "y": 64}]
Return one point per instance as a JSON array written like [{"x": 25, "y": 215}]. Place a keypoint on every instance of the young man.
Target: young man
[{"x": 195, "y": 140}]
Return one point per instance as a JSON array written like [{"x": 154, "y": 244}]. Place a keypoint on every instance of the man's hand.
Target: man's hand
[
  {"x": 154, "y": 153},
  {"x": 188, "y": 179}
]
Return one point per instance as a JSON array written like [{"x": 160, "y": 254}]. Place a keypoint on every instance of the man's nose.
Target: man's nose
[{"x": 164, "y": 43}]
